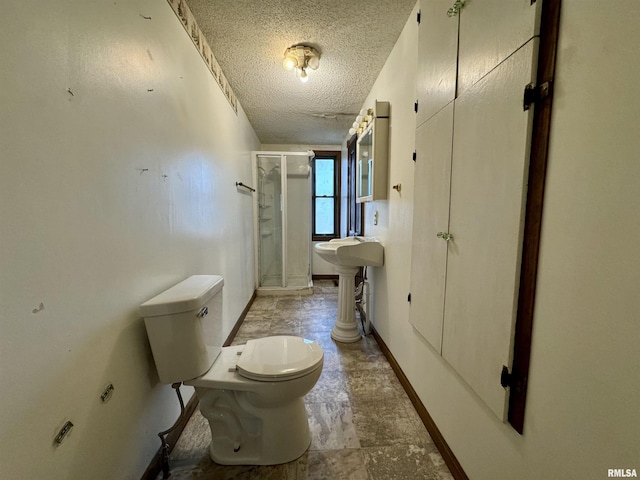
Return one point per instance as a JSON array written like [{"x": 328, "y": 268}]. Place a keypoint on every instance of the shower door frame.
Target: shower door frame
[{"x": 283, "y": 289}]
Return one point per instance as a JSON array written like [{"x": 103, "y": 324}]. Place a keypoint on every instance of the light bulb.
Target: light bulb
[
  {"x": 359, "y": 118},
  {"x": 352, "y": 131},
  {"x": 355, "y": 124},
  {"x": 303, "y": 76},
  {"x": 289, "y": 63}
]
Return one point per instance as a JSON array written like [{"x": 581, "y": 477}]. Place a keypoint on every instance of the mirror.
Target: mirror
[
  {"x": 365, "y": 163},
  {"x": 371, "y": 156}
]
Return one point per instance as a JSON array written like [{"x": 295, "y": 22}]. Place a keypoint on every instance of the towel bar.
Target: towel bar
[{"x": 240, "y": 184}]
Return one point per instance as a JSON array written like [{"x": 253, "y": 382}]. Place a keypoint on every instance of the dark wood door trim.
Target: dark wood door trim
[{"x": 549, "y": 29}]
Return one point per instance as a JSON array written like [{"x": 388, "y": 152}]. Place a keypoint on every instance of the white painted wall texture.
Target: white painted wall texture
[
  {"x": 119, "y": 156},
  {"x": 582, "y": 416}
]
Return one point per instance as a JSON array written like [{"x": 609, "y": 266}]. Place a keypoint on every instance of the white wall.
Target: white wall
[
  {"x": 107, "y": 197},
  {"x": 390, "y": 284},
  {"x": 582, "y": 415}
]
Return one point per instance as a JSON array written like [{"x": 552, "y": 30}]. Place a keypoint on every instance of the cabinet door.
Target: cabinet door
[
  {"x": 437, "y": 53},
  {"x": 430, "y": 216},
  {"x": 488, "y": 191},
  {"x": 490, "y": 31}
]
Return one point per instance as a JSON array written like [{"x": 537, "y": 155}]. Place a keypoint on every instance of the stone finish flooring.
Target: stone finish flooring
[{"x": 363, "y": 425}]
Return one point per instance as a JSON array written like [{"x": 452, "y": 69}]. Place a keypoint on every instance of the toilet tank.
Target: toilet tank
[{"x": 184, "y": 326}]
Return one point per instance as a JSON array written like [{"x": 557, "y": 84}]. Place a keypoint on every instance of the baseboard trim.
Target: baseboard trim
[
  {"x": 155, "y": 467},
  {"x": 324, "y": 277},
  {"x": 446, "y": 452},
  {"x": 236, "y": 327}
]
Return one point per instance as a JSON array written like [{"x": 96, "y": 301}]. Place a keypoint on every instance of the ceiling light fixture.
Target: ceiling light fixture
[{"x": 301, "y": 58}]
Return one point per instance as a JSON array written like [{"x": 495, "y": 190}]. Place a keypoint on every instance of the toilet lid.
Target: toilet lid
[{"x": 279, "y": 358}]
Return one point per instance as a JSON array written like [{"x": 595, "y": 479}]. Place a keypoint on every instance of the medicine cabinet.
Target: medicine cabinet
[{"x": 372, "y": 152}]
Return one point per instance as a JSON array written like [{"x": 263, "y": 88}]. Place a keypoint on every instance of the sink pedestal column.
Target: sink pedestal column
[{"x": 346, "y": 328}]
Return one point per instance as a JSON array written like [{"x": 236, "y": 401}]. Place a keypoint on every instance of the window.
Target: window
[{"x": 325, "y": 195}]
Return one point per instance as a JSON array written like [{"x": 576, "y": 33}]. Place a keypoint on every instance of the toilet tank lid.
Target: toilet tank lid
[{"x": 190, "y": 294}]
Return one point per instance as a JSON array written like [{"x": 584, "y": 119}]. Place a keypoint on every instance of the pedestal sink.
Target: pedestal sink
[{"x": 348, "y": 255}]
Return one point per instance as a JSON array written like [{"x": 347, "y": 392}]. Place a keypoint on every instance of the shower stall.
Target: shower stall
[{"x": 282, "y": 219}]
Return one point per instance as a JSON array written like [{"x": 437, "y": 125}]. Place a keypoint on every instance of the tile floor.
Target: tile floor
[{"x": 362, "y": 423}]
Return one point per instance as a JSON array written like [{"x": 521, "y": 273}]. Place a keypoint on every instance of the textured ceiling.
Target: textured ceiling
[{"x": 249, "y": 37}]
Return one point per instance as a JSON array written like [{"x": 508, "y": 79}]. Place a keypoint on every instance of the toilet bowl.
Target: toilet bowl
[
  {"x": 252, "y": 395},
  {"x": 257, "y": 422}
]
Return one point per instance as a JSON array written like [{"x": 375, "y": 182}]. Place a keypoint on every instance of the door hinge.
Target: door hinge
[
  {"x": 409, "y": 298},
  {"x": 418, "y": 17},
  {"x": 533, "y": 94},
  {"x": 415, "y": 106},
  {"x": 506, "y": 378},
  {"x": 415, "y": 155},
  {"x": 516, "y": 382}
]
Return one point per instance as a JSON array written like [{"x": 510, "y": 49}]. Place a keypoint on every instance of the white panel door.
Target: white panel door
[
  {"x": 488, "y": 191},
  {"x": 490, "y": 31},
  {"x": 438, "y": 54},
  {"x": 430, "y": 216}
]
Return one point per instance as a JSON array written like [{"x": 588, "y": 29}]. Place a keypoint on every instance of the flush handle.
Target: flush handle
[{"x": 204, "y": 311}]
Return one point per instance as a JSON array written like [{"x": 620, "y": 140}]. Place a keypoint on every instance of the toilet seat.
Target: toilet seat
[{"x": 279, "y": 358}]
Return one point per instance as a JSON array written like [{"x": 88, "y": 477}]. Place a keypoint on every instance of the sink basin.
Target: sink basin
[{"x": 352, "y": 252}]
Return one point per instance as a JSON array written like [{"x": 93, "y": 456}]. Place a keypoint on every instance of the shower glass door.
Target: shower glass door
[
  {"x": 298, "y": 221},
  {"x": 283, "y": 222},
  {"x": 270, "y": 245}
]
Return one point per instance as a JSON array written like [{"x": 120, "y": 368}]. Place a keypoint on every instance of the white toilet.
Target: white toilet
[{"x": 251, "y": 394}]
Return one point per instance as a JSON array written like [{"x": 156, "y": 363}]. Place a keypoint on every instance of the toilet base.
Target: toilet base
[{"x": 243, "y": 434}]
